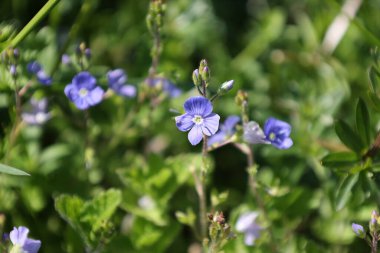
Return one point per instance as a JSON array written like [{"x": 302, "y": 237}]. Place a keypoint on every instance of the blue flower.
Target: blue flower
[
  {"x": 35, "y": 68},
  {"x": 277, "y": 132},
  {"x": 226, "y": 130},
  {"x": 37, "y": 115},
  {"x": 20, "y": 240},
  {"x": 358, "y": 230},
  {"x": 117, "y": 81},
  {"x": 83, "y": 92},
  {"x": 199, "y": 119},
  {"x": 246, "y": 224},
  {"x": 165, "y": 85}
]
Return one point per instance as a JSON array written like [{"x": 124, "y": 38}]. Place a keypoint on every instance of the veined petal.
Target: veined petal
[
  {"x": 254, "y": 134},
  {"x": 31, "y": 246},
  {"x": 81, "y": 103},
  {"x": 84, "y": 80},
  {"x": 219, "y": 137},
  {"x": 19, "y": 235},
  {"x": 285, "y": 144},
  {"x": 195, "y": 135},
  {"x": 229, "y": 124},
  {"x": 95, "y": 96},
  {"x": 198, "y": 106},
  {"x": 210, "y": 124},
  {"x": 276, "y": 126},
  {"x": 184, "y": 122}
]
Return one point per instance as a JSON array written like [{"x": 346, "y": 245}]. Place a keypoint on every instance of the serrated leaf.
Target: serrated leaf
[
  {"x": 340, "y": 159},
  {"x": 343, "y": 193},
  {"x": 374, "y": 100},
  {"x": 348, "y": 136},
  {"x": 101, "y": 208},
  {"x": 363, "y": 122},
  {"x": 12, "y": 171}
]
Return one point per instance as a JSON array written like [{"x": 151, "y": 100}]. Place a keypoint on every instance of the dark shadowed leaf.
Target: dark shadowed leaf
[
  {"x": 348, "y": 136},
  {"x": 340, "y": 159},
  {"x": 363, "y": 122}
]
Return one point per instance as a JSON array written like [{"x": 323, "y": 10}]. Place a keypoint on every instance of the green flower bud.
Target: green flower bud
[
  {"x": 202, "y": 65},
  {"x": 241, "y": 97},
  {"x": 226, "y": 86},
  {"x": 206, "y": 74},
  {"x": 197, "y": 80}
]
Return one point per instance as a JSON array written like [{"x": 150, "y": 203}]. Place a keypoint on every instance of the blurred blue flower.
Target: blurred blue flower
[
  {"x": 35, "y": 68},
  {"x": 83, "y": 92},
  {"x": 165, "y": 85},
  {"x": 199, "y": 119},
  {"x": 13, "y": 70},
  {"x": 277, "y": 132},
  {"x": 358, "y": 230},
  {"x": 246, "y": 224},
  {"x": 19, "y": 238},
  {"x": 117, "y": 81},
  {"x": 226, "y": 130},
  {"x": 37, "y": 115},
  {"x": 66, "y": 60}
]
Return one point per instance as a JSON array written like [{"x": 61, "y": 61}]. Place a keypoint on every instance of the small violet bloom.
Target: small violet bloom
[
  {"x": 66, "y": 60},
  {"x": 199, "y": 119},
  {"x": 358, "y": 230},
  {"x": 163, "y": 83},
  {"x": 226, "y": 130},
  {"x": 117, "y": 81},
  {"x": 20, "y": 240},
  {"x": 83, "y": 92},
  {"x": 37, "y": 114},
  {"x": 36, "y": 69},
  {"x": 246, "y": 224},
  {"x": 276, "y": 132}
]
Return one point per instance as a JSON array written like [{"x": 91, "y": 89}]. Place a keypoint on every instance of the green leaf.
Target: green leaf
[
  {"x": 12, "y": 171},
  {"x": 363, "y": 122},
  {"x": 348, "y": 136},
  {"x": 373, "y": 77},
  {"x": 340, "y": 159},
  {"x": 343, "y": 193},
  {"x": 374, "y": 100},
  {"x": 101, "y": 208}
]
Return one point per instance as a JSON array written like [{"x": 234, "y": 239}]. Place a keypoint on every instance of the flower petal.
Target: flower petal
[
  {"x": 84, "y": 80},
  {"x": 127, "y": 90},
  {"x": 285, "y": 144},
  {"x": 219, "y": 137},
  {"x": 245, "y": 221},
  {"x": 229, "y": 124},
  {"x": 253, "y": 134},
  {"x": 210, "y": 124},
  {"x": 19, "y": 235},
  {"x": 71, "y": 92},
  {"x": 276, "y": 126},
  {"x": 198, "y": 106},
  {"x": 116, "y": 77},
  {"x": 184, "y": 122},
  {"x": 31, "y": 246},
  {"x": 195, "y": 135},
  {"x": 81, "y": 103},
  {"x": 95, "y": 96}
]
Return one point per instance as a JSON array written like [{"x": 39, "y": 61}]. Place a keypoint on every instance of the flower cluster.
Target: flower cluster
[
  {"x": 83, "y": 91},
  {"x": 199, "y": 119},
  {"x": 35, "y": 68}
]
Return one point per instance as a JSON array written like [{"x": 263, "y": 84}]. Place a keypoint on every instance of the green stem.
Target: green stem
[{"x": 32, "y": 23}]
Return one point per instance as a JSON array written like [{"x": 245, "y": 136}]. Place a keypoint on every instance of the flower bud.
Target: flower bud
[
  {"x": 87, "y": 53},
  {"x": 227, "y": 86},
  {"x": 202, "y": 66},
  {"x": 241, "y": 97},
  {"x": 16, "y": 53},
  {"x": 358, "y": 230},
  {"x": 197, "y": 80},
  {"x": 13, "y": 70},
  {"x": 206, "y": 74}
]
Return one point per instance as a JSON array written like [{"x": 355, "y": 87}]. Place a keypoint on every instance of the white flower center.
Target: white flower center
[
  {"x": 198, "y": 119},
  {"x": 272, "y": 136},
  {"x": 83, "y": 92}
]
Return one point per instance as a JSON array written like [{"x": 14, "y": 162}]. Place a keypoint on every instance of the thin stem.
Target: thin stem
[
  {"x": 247, "y": 150},
  {"x": 375, "y": 238},
  {"x": 156, "y": 51},
  {"x": 32, "y": 23}
]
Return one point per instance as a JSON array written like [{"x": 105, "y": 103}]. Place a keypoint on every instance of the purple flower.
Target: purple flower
[
  {"x": 38, "y": 114},
  {"x": 66, "y": 60},
  {"x": 83, "y": 92},
  {"x": 246, "y": 224},
  {"x": 277, "y": 132},
  {"x": 13, "y": 70},
  {"x": 19, "y": 238},
  {"x": 199, "y": 119},
  {"x": 226, "y": 130},
  {"x": 165, "y": 85},
  {"x": 36, "y": 69},
  {"x": 117, "y": 81},
  {"x": 358, "y": 230}
]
